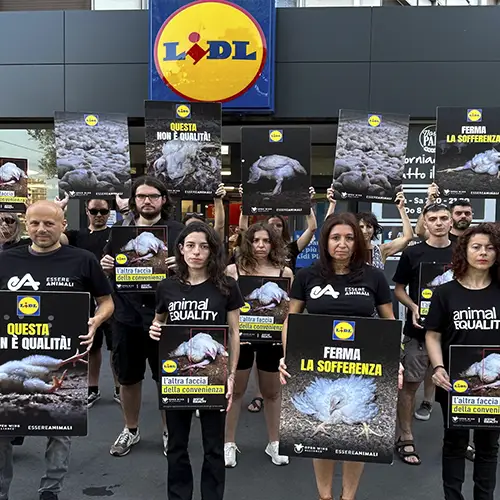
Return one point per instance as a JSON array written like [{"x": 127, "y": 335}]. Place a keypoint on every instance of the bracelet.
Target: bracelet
[{"x": 437, "y": 367}]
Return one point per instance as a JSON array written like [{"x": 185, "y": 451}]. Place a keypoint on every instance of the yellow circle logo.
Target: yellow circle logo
[
  {"x": 343, "y": 330},
  {"x": 121, "y": 259},
  {"x": 210, "y": 50},
  {"x": 28, "y": 306},
  {"x": 91, "y": 120},
  {"x": 183, "y": 111},
  {"x": 169, "y": 366},
  {"x": 426, "y": 294},
  {"x": 474, "y": 115},
  {"x": 374, "y": 120},
  {"x": 276, "y": 135},
  {"x": 245, "y": 308},
  {"x": 460, "y": 386}
]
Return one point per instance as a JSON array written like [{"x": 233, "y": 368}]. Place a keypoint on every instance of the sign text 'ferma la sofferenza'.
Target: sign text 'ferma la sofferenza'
[{"x": 213, "y": 51}]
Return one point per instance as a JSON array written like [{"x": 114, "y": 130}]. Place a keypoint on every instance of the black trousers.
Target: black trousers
[
  {"x": 455, "y": 444},
  {"x": 213, "y": 472}
]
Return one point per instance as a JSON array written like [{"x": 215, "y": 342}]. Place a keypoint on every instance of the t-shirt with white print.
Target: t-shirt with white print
[
  {"x": 202, "y": 304},
  {"x": 355, "y": 294}
]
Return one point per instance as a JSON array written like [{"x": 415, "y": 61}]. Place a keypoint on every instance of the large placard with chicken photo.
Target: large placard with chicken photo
[
  {"x": 276, "y": 170},
  {"x": 140, "y": 255},
  {"x": 468, "y": 152},
  {"x": 340, "y": 402},
  {"x": 193, "y": 367},
  {"x": 370, "y": 155},
  {"x": 43, "y": 367},
  {"x": 265, "y": 309},
  {"x": 92, "y": 155},
  {"x": 13, "y": 184},
  {"x": 183, "y": 146},
  {"x": 431, "y": 276},
  {"x": 474, "y": 400}
]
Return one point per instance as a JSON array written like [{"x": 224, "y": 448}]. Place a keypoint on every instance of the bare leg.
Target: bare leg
[
  {"x": 271, "y": 391},
  {"x": 95, "y": 360},
  {"x": 115, "y": 378},
  {"x": 323, "y": 470},
  {"x": 131, "y": 396},
  {"x": 258, "y": 394},
  {"x": 240, "y": 386},
  {"x": 351, "y": 474},
  {"x": 406, "y": 408},
  {"x": 429, "y": 387}
]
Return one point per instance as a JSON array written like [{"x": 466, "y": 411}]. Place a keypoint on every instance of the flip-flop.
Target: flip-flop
[{"x": 256, "y": 405}]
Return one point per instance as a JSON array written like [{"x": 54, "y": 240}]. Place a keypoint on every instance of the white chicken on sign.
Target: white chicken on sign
[
  {"x": 482, "y": 163},
  {"x": 10, "y": 173},
  {"x": 146, "y": 245},
  {"x": 30, "y": 375},
  {"x": 270, "y": 295},
  {"x": 201, "y": 350},
  {"x": 347, "y": 401},
  {"x": 488, "y": 371}
]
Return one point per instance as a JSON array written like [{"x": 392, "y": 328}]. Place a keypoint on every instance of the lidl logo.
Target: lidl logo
[
  {"x": 91, "y": 120},
  {"x": 121, "y": 259},
  {"x": 460, "y": 386},
  {"x": 245, "y": 308},
  {"x": 343, "y": 330},
  {"x": 169, "y": 366},
  {"x": 210, "y": 50},
  {"x": 474, "y": 115},
  {"x": 426, "y": 293},
  {"x": 276, "y": 136},
  {"x": 374, "y": 120},
  {"x": 28, "y": 305},
  {"x": 183, "y": 111}
]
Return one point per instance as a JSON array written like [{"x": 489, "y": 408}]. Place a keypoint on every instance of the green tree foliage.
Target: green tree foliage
[{"x": 46, "y": 140}]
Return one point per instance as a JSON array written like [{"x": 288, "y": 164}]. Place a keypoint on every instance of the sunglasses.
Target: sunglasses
[
  {"x": 435, "y": 206},
  {"x": 8, "y": 220},
  {"x": 100, "y": 211}
]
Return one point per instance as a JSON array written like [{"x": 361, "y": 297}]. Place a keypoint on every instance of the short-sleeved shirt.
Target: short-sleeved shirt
[
  {"x": 292, "y": 253},
  {"x": 465, "y": 317},
  {"x": 202, "y": 304},
  {"x": 408, "y": 273},
  {"x": 14, "y": 244},
  {"x": 67, "y": 269},
  {"x": 354, "y": 294},
  {"x": 93, "y": 241}
]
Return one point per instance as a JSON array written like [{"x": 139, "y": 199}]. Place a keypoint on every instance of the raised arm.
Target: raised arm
[{"x": 312, "y": 225}]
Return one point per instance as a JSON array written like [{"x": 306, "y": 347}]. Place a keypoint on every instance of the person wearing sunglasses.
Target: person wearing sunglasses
[{"x": 11, "y": 231}]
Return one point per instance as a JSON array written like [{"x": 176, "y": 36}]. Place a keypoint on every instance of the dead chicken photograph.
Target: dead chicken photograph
[
  {"x": 145, "y": 249},
  {"x": 14, "y": 177},
  {"x": 370, "y": 155},
  {"x": 276, "y": 170},
  {"x": 92, "y": 154}
]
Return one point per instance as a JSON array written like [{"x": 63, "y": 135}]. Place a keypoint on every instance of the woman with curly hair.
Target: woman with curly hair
[
  {"x": 476, "y": 288},
  {"x": 261, "y": 254}
]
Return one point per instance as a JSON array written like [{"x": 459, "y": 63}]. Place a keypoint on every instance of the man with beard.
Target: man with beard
[
  {"x": 46, "y": 265},
  {"x": 461, "y": 214},
  {"x": 150, "y": 205}
]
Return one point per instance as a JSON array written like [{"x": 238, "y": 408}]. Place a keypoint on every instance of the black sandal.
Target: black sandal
[
  {"x": 256, "y": 404},
  {"x": 403, "y": 455}
]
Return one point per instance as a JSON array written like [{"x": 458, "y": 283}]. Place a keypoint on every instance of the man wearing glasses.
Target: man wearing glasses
[{"x": 149, "y": 205}]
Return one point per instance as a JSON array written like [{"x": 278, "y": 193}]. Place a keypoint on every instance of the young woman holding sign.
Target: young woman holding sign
[
  {"x": 199, "y": 277},
  {"x": 261, "y": 254},
  {"x": 340, "y": 284},
  {"x": 474, "y": 294}
]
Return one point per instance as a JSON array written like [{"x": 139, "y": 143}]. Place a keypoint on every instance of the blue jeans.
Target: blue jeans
[{"x": 56, "y": 461}]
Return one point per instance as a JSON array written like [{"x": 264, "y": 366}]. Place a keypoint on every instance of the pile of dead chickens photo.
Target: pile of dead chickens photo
[
  {"x": 370, "y": 155},
  {"x": 276, "y": 173},
  {"x": 92, "y": 154},
  {"x": 184, "y": 153},
  {"x": 14, "y": 177},
  {"x": 468, "y": 152},
  {"x": 42, "y": 394}
]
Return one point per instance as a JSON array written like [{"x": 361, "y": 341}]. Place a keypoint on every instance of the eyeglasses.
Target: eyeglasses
[
  {"x": 152, "y": 197},
  {"x": 434, "y": 207},
  {"x": 8, "y": 220},
  {"x": 98, "y": 211},
  {"x": 194, "y": 214}
]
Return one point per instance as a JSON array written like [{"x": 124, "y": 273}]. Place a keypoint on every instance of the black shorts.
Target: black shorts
[
  {"x": 132, "y": 347},
  {"x": 268, "y": 357},
  {"x": 103, "y": 332}
]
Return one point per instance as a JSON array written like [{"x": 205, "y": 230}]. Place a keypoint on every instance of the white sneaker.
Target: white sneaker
[
  {"x": 272, "y": 450},
  {"x": 124, "y": 443},
  {"x": 230, "y": 450},
  {"x": 197, "y": 413},
  {"x": 165, "y": 443}
]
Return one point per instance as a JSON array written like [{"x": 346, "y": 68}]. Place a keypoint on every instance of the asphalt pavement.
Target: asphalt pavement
[{"x": 95, "y": 474}]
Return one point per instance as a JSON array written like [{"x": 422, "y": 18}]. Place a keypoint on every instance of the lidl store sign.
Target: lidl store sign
[{"x": 213, "y": 51}]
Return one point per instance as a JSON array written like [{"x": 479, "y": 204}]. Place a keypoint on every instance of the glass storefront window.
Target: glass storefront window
[{"x": 119, "y": 4}]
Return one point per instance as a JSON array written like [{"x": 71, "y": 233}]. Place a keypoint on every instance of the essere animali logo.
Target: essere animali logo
[
  {"x": 318, "y": 292},
  {"x": 15, "y": 283}
]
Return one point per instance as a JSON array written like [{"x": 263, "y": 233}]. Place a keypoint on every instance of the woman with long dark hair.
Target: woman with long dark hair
[
  {"x": 474, "y": 293},
  {"x": 360, "y": 291},
  {"x": 199, "y": 281},
  {"x": 261, "y": 254}
]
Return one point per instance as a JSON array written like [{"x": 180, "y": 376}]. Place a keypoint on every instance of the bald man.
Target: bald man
[{"x": 48, "y": 266}]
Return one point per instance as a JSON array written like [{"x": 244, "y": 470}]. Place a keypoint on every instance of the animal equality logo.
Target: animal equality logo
[
  {"x": 276, "y": 136},
  {"x": 28, "y": 305},
  {"x": 210, "y": 51},
  {"x": 183, "y": 111},
  {"x": 343, "y": 330},
  {"x": 474, "y": 115},
  {"x": 91, "y": 120}
]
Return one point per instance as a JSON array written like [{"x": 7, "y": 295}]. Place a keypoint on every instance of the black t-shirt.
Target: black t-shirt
[
  {"x": 202, "y": 304},
  {"x": 137, "y": 309},
  {"x": 94, "y": 241},
  {"x": 453, "y": 237},
  {"x": 465, "y": 317},
  {"x": 293, "y": 252},
  {"x": 14, "y": 244},
  {"x": 408, "y": 273},
  {"x": 67, "y": 269},
  {"x": 355, "y": 294}
]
